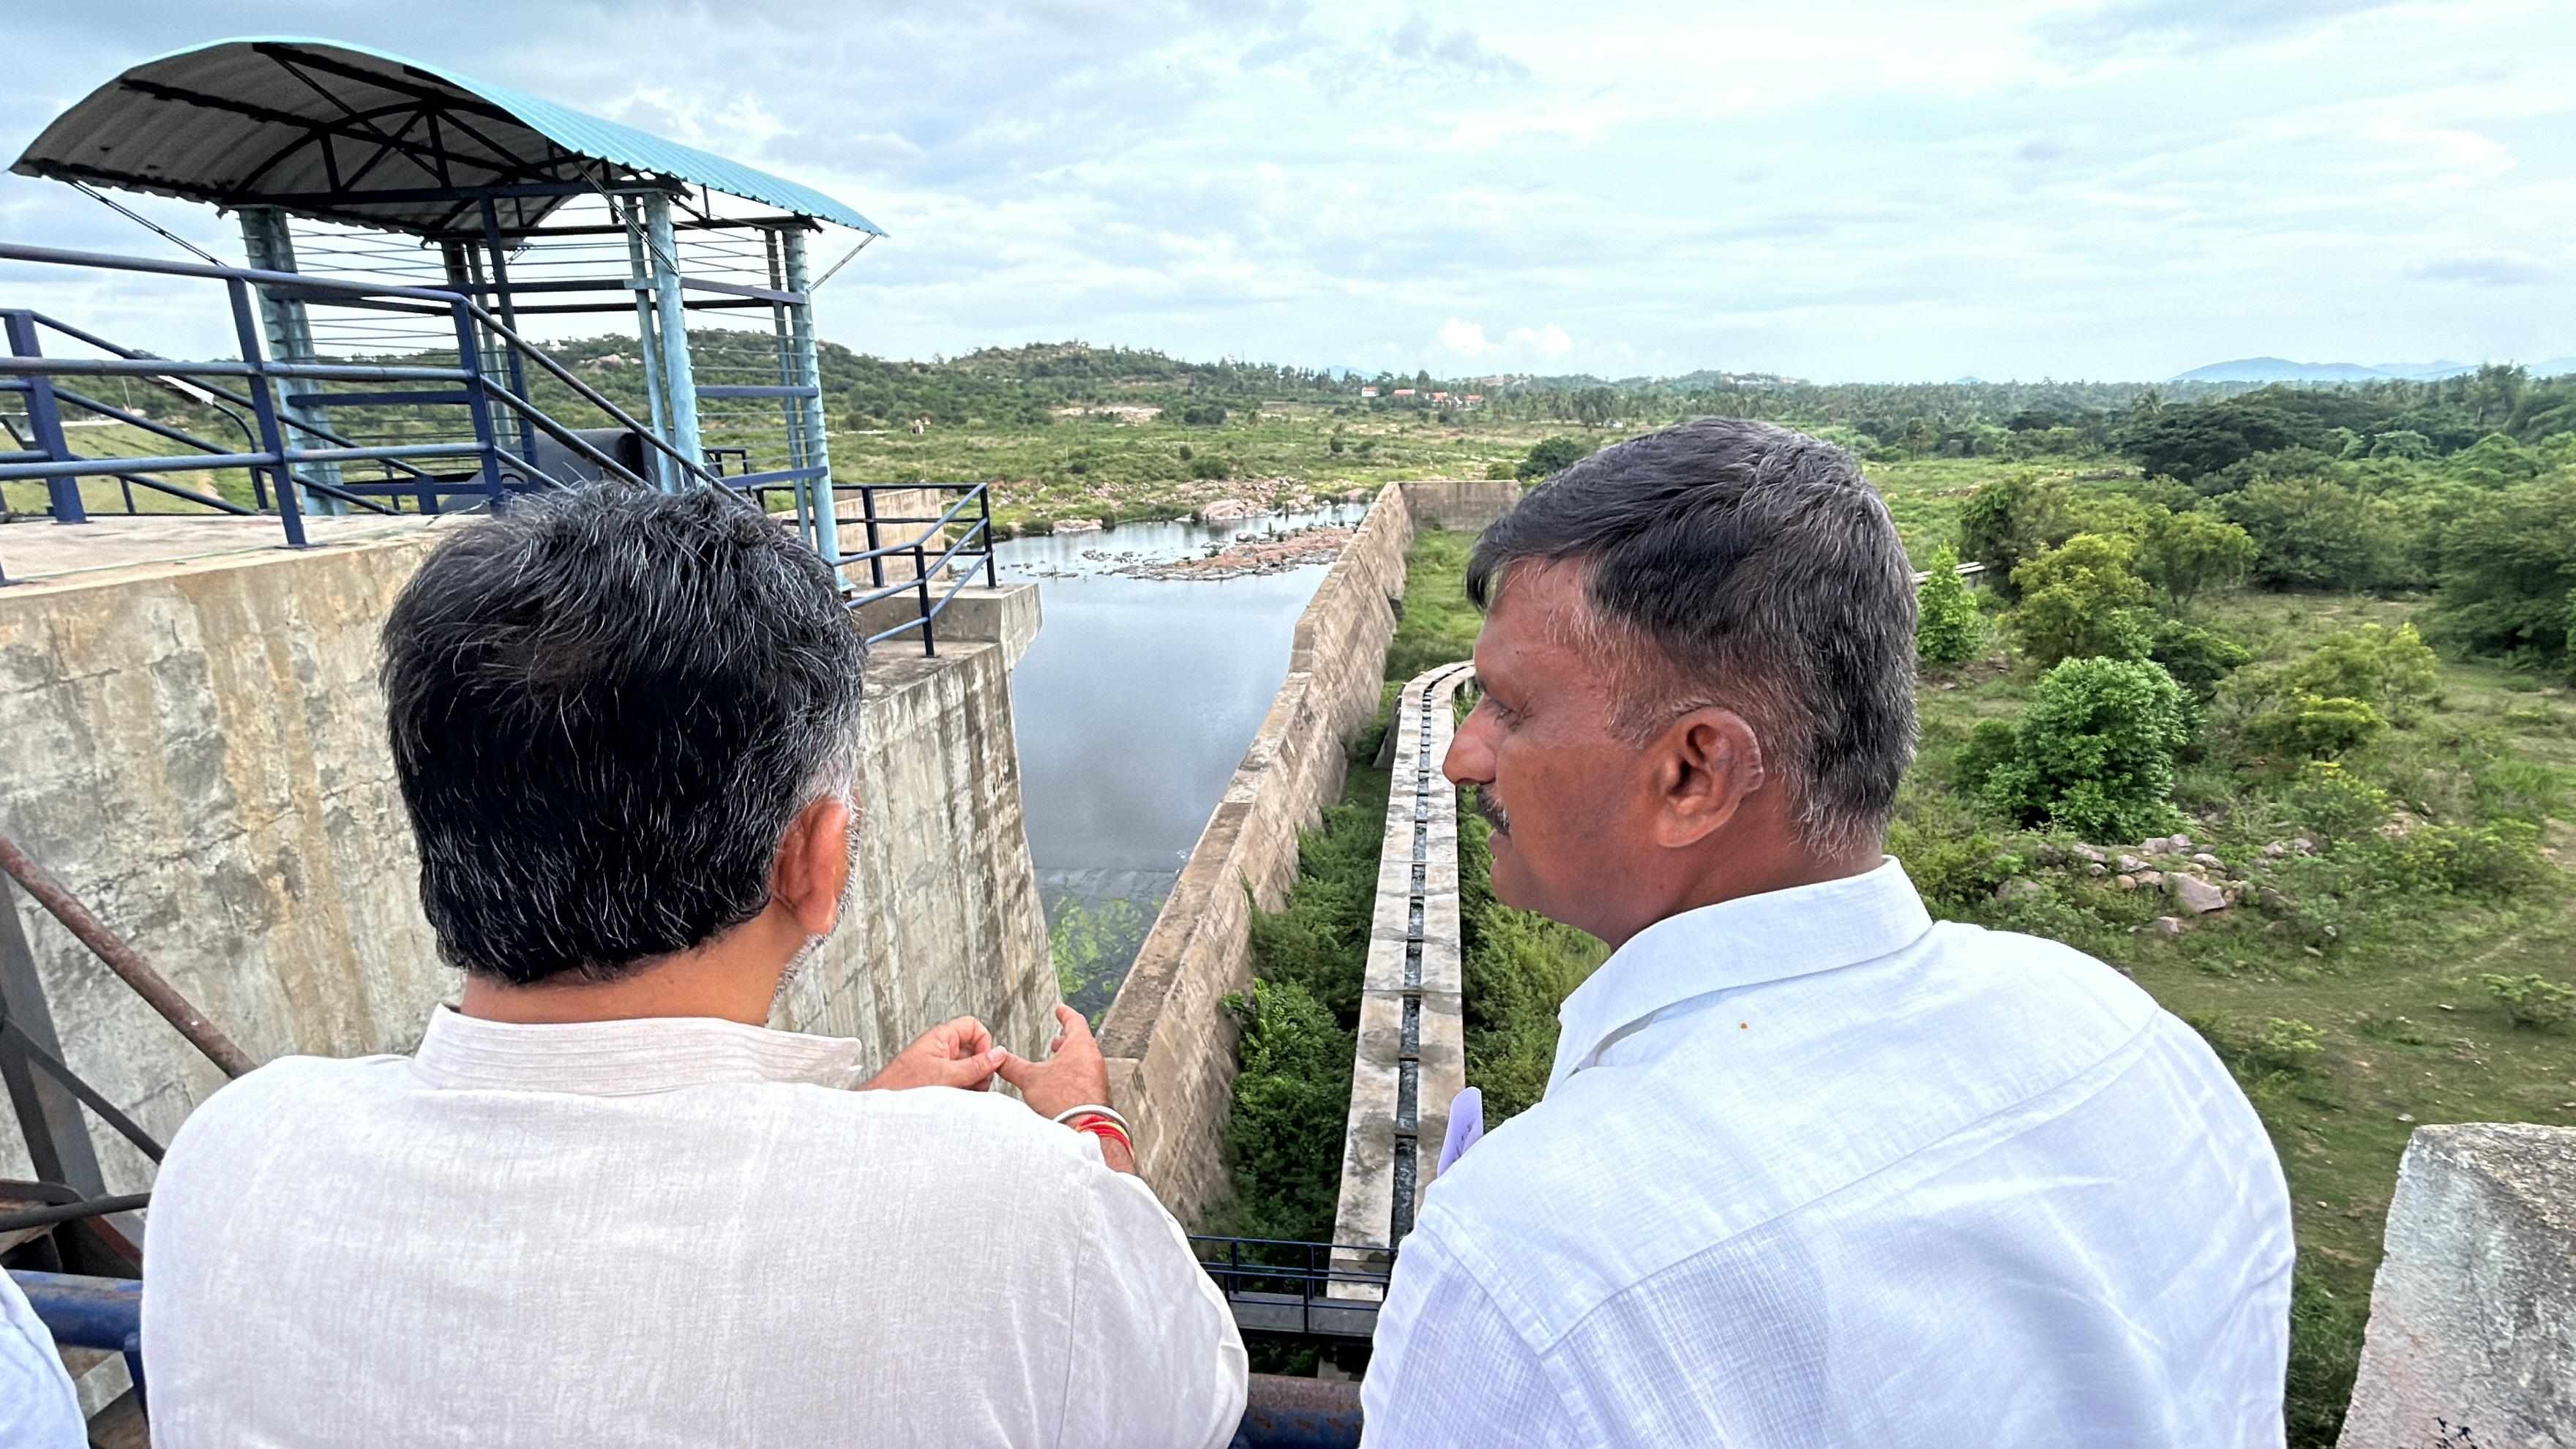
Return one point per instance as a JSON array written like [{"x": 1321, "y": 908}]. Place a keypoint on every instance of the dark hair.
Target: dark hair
[
  {"x": 605, "y": 707},
  {"x": 1762, "y": 572}
]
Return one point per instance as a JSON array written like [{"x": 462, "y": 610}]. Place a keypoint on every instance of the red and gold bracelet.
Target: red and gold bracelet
[{"x": 1104, "y": 1129}]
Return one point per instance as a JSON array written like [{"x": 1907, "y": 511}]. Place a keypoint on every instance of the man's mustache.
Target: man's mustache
[{"x": 1493, "y": 811}]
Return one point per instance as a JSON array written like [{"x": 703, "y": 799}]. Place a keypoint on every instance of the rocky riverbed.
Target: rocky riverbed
[{"x": 1263, "y": 554}]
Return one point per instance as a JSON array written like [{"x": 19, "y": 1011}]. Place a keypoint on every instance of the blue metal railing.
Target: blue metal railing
[{"x": 278, "y": 443}]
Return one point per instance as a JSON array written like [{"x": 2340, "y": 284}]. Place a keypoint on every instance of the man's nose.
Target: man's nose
[{"x": 1471, "y": 752}]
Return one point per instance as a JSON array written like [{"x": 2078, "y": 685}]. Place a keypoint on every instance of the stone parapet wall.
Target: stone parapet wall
[
  {"x": 1169, "y": 1041},
  {"x": 1464, "y": 505},
  {"x": 197, "y": 750},
  {"x": 2472, "y": 1336}
]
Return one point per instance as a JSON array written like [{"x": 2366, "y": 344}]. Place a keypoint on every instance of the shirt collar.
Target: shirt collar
[
  {"x": 1742, "y": 942},
  {"x": 625, "y": 1058}
]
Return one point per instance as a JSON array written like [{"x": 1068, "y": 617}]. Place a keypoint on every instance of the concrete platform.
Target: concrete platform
[{"x": 33, "y": 549}]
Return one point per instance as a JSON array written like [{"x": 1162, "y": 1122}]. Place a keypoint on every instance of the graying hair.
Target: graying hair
[
  {"x": 605, "y": 709},
  {"x": 1736, "y": 563}
]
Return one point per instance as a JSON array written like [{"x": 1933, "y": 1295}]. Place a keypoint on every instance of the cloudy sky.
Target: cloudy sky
[{"x": 1865, "y": 189}]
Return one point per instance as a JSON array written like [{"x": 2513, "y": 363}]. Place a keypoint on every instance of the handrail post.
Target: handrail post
[
  {"x": 478, "y": 404},
  {"x": 263, "y": 403},
  {"x": 876, "y": 560},
  {"x": 921, "y": 583},
  {"x": 63, "y": 495},
  {"x": 984, "y": 491}
]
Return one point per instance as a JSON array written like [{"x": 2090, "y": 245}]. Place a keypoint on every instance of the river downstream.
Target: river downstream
[{"x": 1133, "y": 707}]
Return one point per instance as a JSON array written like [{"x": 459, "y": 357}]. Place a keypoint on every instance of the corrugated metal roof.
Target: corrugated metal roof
[{"x": 231, "y": 123}]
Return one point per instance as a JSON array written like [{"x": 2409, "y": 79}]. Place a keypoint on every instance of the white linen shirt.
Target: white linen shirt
[
  {"x": 1812, "y": 1170},
  {"x": 38, "y": 1407},
  {"x": 661, "y": 1232}
]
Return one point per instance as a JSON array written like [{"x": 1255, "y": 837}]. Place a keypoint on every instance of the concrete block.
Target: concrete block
[
  {"x": 2473, "y": 1315},
  {"x": 1009, "y": 616}
]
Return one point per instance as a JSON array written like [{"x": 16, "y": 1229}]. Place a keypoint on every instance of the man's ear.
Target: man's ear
[
  {"x": 813, "y": 866},
  {"x": 1707, "y": 764}
]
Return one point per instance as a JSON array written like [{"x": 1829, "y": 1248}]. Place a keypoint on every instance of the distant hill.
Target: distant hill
[
  {"x": 2555, "y": 367},
  {"x": 2281, "y": 369}
]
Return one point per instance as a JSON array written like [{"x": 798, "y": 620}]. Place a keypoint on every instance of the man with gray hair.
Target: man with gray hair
[
  {"x": 603, "y": 1204},
  {"x": 1811, "y": 1169}
]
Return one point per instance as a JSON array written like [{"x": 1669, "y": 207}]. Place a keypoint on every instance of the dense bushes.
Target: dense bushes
[
  {"x": 2082, "y": 599},
  {"x": 2313, "y": 534},
  {"x": 1947, "y": 628},
  {"x": 1550, "y": 456},
  {"x": 2508, "y": 573},
  {"x": 1292, "y": 1096},
  {"x": 2093, "y": 754}
]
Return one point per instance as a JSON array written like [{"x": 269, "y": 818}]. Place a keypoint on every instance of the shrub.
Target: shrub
[
  {"x": 1948, "y": 629},
  {"x": 2197, "y": 658},
  {"x": 2186, "y": 553},
  {"x": 2081, "y": 599},
  {"x": 2011, "y": 520},
  {"x": 2394, "y": 671},
  {"x": 1203, "y": 415},
  {"x": 2334, "y": 804},
  {"x": 1501, "y": 472},
  {"x": 2313, "y": 727},
  {"x": 2533, "y": 1001},
  {"x": 1291, "y": 1101},
  {"x": 1990, "y": 745},
  {"x": 1550, "y": 456},
  {"x": 2094, "y": 752},
  {"x": 1211, "y": 468},
  {"x": 2498, "y": 858},
  {"x": 2285, "y": 1046}
]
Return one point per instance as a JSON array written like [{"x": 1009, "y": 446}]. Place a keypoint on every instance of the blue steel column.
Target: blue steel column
[
  {"x": 809, "y": 373},
  {"x": 45, "y": 420},
  {"x": 640, "y": 282},
  {"x": 679, "y": 379},
  {"x": 266, "y": 241}
]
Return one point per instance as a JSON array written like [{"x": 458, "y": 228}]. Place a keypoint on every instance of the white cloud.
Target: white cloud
[
  {"x": 1846, "y": 188},
  {"x": 1549, "y": 342}
]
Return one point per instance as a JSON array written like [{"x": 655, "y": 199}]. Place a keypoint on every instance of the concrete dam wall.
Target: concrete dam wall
[{"x": 197, "y": 749}]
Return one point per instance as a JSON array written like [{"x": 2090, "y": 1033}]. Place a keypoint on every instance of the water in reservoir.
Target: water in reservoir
[{"x": 1133, "y": 707}]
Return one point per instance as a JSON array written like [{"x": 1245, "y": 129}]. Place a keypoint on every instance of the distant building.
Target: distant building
[
  {"x": 1368, "y": 392},
  {"x": 1474, "y": 398},
  {"x": 1404, "y": 392},
  {"x": 1440, "y": 397}
]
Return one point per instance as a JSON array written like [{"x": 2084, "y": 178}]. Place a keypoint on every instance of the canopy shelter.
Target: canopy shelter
[
  {"x": 352, "y": 164},
  {"x": 343, "y": 133}
]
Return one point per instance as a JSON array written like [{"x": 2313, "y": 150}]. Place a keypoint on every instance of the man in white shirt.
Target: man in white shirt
[
  {"x": 603, "y": 1204},
  {"x": 1811, "y": 1169}
]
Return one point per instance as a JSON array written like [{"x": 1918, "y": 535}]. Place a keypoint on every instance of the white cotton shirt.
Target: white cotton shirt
[
  {"x": 38, "y": 1407},
  {"x": 1814, "y": 1171},
  {"x": 679, "y": 1232}
]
